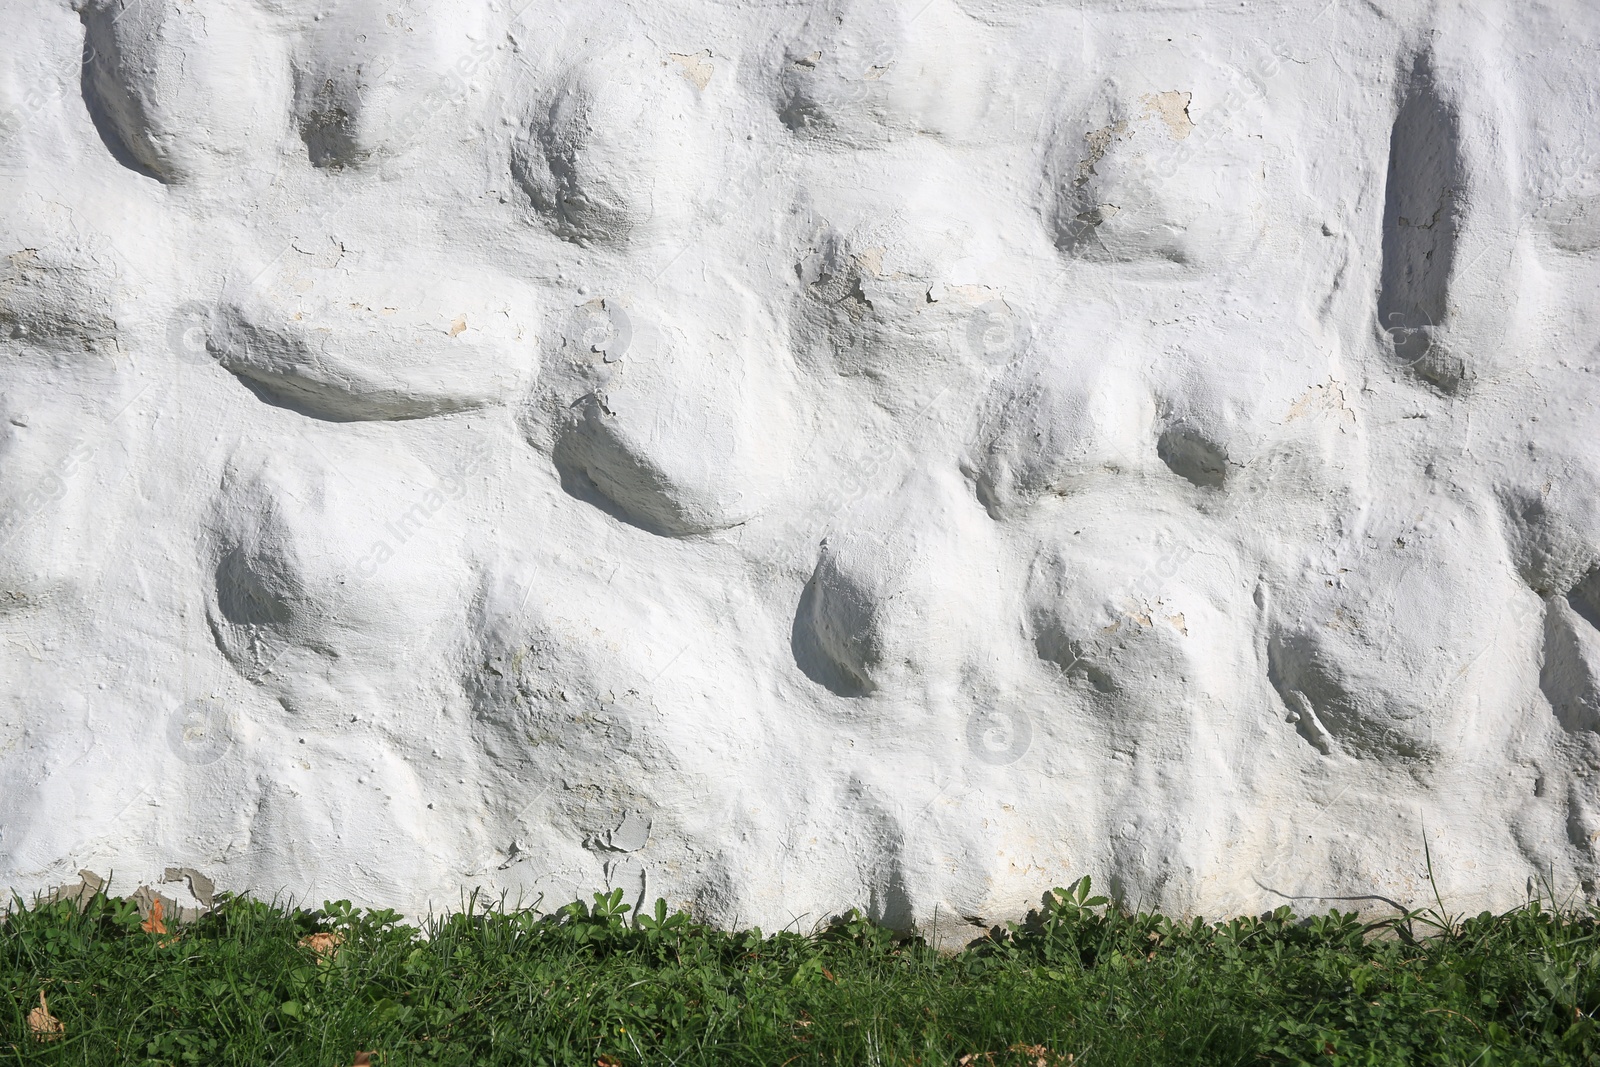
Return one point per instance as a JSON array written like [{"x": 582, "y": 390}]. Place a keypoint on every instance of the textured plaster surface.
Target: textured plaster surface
[{"x": 783, "y": 456}]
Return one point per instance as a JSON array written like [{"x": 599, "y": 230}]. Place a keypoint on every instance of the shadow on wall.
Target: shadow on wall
[
  {"x": 101, "y": 102},
  {"x": 826, "y": 648},
  {"x": 1421, "y": 204},
  {"x": 1570, "y": 673}
]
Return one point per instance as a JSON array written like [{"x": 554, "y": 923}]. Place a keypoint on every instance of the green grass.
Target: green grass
[{"x": 1078, "y": 982}]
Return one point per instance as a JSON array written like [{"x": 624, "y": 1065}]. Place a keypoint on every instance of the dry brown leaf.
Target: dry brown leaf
[
  {"x": 363, "y": 1059},
  {"x": 42, "y": 1025},
  {"x": 323, "y": 943},
  {"x": 1038, "y": 1055},
  {"x": 1042, "y": 1057},
  {"x": 153, "y": 924}
]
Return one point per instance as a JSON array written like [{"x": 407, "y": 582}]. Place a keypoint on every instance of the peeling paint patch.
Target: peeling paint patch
[
  {"x": 1327, "y": 396},
  {"x": 696, "y": 66},
  {"x": 630, "y": 836},
  {"x": 1173, "y": 109}
]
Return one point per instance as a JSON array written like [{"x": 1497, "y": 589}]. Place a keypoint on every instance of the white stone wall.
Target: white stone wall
[{"x": 786, "y": 456}]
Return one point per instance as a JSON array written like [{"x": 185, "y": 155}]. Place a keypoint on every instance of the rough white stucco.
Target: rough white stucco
[{"x": 787, "y": 456}]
